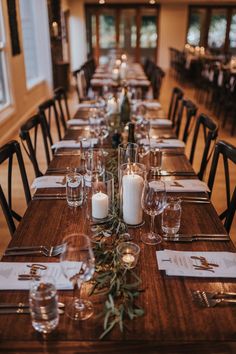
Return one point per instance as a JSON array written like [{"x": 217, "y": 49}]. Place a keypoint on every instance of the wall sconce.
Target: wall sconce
[{"x": 55, "y": 29}]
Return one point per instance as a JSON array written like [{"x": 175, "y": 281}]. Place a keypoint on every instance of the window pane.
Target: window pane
[
  {"x": 29, "y": 40},
  {"x": 3, "y": 99},
  {"x": 232, "y": 33},
  {"x": 196, "y": 23},
  {"x": 148, "y": 32},
  {"x": 94, "y": 33},
  {"x": 107, "y": 35},
  {"x": 217, "y": 30}
]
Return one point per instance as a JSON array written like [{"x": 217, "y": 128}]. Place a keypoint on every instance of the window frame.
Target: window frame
[{"x": 208, "y": 8}]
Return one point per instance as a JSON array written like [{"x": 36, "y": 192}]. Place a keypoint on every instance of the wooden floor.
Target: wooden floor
[{"x": 218, "y": 197}]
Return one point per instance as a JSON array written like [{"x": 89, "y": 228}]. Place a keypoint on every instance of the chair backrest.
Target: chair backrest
[
  {"x": 176, "y": 97},
  {"x": 7, "y": 153},
  {"x": 29, "y": 135},
  {"x": 80, "y": 83},
  {"x": 210, "y": 132},
  {"x": 60, "y": 98},
  {"x": 156, "y": 81},
  {"x": 191, "y": 111},
  {"x": 228, "y": 153},
  {"x": 49, "y": 111}
]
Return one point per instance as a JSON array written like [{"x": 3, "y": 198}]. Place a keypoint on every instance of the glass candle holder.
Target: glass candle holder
[
  {"x": 131, "y": 181},
  {"x": 101, "y": 198},
  {"x": 128, "y": 253}
]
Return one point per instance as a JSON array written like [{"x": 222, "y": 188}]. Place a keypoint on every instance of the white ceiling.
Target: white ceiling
[{"x": 192, "y": 2}]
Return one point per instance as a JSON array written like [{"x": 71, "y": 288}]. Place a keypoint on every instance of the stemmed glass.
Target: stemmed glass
[
  {"x": 78, "y": 265},
  {"x": 153, "y": 203}
]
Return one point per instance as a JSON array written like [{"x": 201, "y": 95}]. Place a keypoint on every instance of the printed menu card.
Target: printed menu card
[{"x": 197, "y": 264}]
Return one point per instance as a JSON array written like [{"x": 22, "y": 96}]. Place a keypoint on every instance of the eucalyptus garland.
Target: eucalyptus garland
[{"x": 121, "y": 286}]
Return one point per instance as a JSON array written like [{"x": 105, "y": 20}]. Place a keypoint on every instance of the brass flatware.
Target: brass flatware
[
  {"x": 52, "y": 251},
  {"x": 202, "y": 300},
  {"x": 177, "y": 173}
]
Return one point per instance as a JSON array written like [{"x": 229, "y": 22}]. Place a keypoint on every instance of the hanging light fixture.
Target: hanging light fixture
[
  {"x": 101, "y": 2},
  {"x": 152, "y": 2}
]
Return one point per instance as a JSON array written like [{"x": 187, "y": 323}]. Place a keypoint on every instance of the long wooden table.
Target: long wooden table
[{"x": 172, "y": 322}]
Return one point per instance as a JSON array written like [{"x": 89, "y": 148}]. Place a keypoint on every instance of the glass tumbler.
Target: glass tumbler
[
  {"x": 43, "y": 302},
  {"x": 74, "y": 188},
  {"x": 171, "y": 217}
]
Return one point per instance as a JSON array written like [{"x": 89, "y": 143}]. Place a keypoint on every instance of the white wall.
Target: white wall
[
  {"x": 78, "y": 46},
  {"x": 173, "y": 22}
]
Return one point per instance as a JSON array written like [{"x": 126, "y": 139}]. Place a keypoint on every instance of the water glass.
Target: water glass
[
  {"x": 94, "y": 162},
  {"x": 74, "y": 188},
  {"x": 155, "y": 160},
  {"x": 127, "y": 153},
  {"x": 43, "y": 302},
  {"x": 171, "y": 217}
]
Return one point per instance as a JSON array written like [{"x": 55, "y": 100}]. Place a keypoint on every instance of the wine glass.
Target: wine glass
[
  {"x": 153, "y": 203},
  {"x": 78, "y": 265}
]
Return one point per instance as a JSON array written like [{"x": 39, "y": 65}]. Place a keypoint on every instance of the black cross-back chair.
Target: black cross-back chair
[
  {"x": 227, "y": 152},
  {"x": 29, "y": 136},
  {"x": 61, "y": 100},
  {"x": 49, "y": 110},
  {"x": 7, "y": 153},
  {"x": 191, "y": 111},
  {"x": 176, "y": 97},
  {"x": 210, "y": 132}
]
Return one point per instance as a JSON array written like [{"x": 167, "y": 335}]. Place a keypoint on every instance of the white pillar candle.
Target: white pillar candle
[
  {"x": 123, "y": 69},
  {"x": 115, "y": 74},
  {"x": 112, "y": 106},
  {"x": 99, "y": 205},
  {"x": 132, "y": 193}
]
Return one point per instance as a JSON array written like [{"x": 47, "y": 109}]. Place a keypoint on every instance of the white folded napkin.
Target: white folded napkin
[
  {"x": 49, "y": 182},
  {"x": 75, "y": 144},
  {"x": 77, "y": 122},
  {"x": 10, "y": 271},
  {"x": 186, "y": 185},
  {"x": 102, "y": 82},
  {"x": 135, "y": 82},
  {"x": 161, "y": 122},
  {"x": 163, "y": 143},
  {"x": 86, "y": 105}
]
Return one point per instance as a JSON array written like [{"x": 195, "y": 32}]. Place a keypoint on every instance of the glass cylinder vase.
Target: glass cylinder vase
[
  {"x": 101, "y": 197},
  {"x": 131, "y": 181}
]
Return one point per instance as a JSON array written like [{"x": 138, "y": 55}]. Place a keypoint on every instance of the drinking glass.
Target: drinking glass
[
  {"x": 43, "y": 304},
  {"x": 153, "y": 203},
  {"x": 74, "y": 188},
  {"x": 127, "y": 153},
  {"x": 155, "y": 160},
  {"x": 94, "y": 162},
  {"x": 78, "y": 265},
  {"x": 171, "y": 217}
]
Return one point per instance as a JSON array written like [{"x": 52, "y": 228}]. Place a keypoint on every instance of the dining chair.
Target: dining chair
[
  {"x": 31, "y": 142},
  {"x": 227, "y": 153},
  {"x": 210, "y": 132},
  {"x": 156, "y": 81},
  {"x": 61, "y": 100},
  {"x": 49, "y": 110},
  {"x": 191, "y": 111},
  {"x": 8, "y": 152},
  {"x": 176, "y": 97}
]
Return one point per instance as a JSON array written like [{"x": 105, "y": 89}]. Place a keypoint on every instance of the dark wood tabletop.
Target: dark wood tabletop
[{"x": 172, "y": 322}]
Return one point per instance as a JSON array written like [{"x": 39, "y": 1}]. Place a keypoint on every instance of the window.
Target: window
[
  {"x": 196, "y": 25},
  {"x": 213, "y": 27},
  {"x": 4, "y": 91},
  {"x": 232, "y": 33},
  {"x": 217, "y": 30},
  {"x": 107, "y": 33},
  {"x": 148, "y": 32},
  {"x": 29, "y": 40}
]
